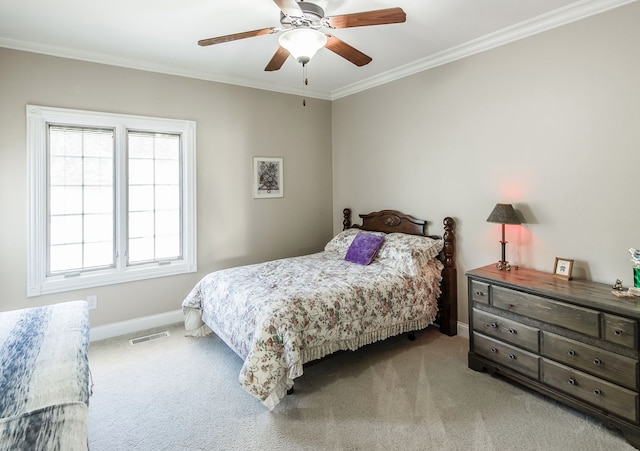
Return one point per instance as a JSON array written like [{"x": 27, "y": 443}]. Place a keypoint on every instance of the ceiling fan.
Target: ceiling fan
[{"x": 302, "y": 24}]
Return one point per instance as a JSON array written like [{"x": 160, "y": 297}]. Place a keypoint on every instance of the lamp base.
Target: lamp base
[{"x": 503, "y": 265}]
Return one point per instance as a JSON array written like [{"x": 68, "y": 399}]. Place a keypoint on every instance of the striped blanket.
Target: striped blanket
[{"x": 44, "y": 377}]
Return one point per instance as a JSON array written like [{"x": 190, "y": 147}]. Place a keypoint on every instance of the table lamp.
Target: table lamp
[{"x": 503, "y": 214}]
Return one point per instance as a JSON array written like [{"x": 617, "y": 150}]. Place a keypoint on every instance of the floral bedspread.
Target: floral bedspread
[{"x": 281, "y": 314}]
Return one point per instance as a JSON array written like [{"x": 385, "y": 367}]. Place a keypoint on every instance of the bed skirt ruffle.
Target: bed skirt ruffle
[{"x": 297, "y": 368}]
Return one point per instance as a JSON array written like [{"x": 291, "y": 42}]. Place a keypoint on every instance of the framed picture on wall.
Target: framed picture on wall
[
  {"x": 267, "y": 177},
  {"x": 562, "y": 268}
]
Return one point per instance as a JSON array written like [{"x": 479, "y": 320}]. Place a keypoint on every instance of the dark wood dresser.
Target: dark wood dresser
[{"x": 571, "y": 340}]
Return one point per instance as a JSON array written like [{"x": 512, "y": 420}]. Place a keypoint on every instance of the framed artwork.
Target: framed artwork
[
  {"x": 267, "y": 177},
  {"x": 562, "y": 268}
]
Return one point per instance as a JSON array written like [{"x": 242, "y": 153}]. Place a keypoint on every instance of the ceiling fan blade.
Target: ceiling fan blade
[
  {"x": 289, "y": 8},
  {"x": 278, "y": 59},
  {"x": 236, "y": 36},
  {"x": 363, "y": 19},
  {"x": 346, "y": 51}
]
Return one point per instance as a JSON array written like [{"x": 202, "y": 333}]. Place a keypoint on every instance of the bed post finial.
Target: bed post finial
[
  {"x": 346, "y": 218},
  {"x": 449, "y": 315},
  {"x": 449, "y": 242}
]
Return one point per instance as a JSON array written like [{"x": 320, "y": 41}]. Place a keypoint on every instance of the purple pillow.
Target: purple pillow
[{"x": 363, "y": 248}]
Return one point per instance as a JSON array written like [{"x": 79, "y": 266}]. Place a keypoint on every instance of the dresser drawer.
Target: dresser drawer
[
  {"x": 605, "y": 395},
  {"x": 506, "y": 355},
  {"x": 608, "y": 365},
  {"x": 479, "y": 291},
  {"x": 519, "y": 334},
  {"x": 621, "y": 331},
  {"x": 571, "y": 317}
]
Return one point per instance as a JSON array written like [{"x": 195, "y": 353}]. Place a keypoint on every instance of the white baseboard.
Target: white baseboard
[
  {"x": 135, "y": 325},
  {"x": 463, "y": 330}
]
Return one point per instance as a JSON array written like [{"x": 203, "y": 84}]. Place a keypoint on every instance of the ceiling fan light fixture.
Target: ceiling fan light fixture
[{"x": 303, "y": 43}]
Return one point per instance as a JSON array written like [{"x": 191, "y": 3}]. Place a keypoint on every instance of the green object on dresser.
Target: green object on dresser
[{"x": 636, "y": 277}]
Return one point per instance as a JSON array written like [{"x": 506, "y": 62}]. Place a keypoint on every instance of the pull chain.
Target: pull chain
[{"x": 305, "y": 82}]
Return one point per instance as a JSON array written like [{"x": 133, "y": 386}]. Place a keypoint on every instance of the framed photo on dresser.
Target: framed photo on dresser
[{"x": 562, "y": 268}]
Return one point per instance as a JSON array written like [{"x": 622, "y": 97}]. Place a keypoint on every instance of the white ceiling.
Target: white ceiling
[{"x": 162, "y": 35}]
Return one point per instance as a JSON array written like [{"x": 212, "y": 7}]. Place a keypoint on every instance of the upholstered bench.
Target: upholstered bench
[{"x": 44, "y": 377}]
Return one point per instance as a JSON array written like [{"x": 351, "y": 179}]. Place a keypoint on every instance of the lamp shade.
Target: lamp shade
[
  {"x": 503, "y": 214},
  {"x": 303, "y": 43}
]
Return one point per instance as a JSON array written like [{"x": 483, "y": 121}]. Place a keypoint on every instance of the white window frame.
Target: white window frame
[{"x": 38, "y": 119}]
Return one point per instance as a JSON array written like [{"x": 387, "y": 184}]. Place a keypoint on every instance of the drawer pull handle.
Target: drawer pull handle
[
  {"x": 512, "y": 331},
  {"x": 513, "y": 357},
  {"x": 493, "y": 349},
  {"x": 571, "y": 352},
  {"x": 597, "y": 392},
  {"x": 493, "y": 325},
  {"x": 479, "y": 293},
  {"x": 597, "y": 361},
  {"x": 572, "y": 381},
  {"x": 618, "y": 332}
]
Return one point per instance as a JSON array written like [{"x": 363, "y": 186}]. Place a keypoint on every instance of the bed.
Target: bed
[
  {"x": 44, "y": 377},
  {"x": 372, "y": 281}
]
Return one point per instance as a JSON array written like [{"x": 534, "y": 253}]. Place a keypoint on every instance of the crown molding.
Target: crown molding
[
  {"x": 553, "y": 19},
  {"x": 149, "y": 66},
  {"x": 548, "y": 21}
]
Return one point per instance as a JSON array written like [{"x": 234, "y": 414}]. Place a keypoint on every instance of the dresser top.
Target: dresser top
[{"x": 575, "y": 291}]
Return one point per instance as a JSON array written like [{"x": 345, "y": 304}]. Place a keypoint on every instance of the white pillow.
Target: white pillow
[
  {"x": 341, "y": 242},
  {"x": 409, "y": 253},
  {"x": 406, "y": 253}
]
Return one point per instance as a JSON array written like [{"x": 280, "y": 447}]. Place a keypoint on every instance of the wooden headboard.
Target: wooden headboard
[{"x": 389, "y": 221}]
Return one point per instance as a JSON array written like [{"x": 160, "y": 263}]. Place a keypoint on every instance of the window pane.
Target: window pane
[
  {"x": 154, "y": 197},
  {"x": 168, "y": 197},
  {"x": 98, "y": 145},
  {"x": 65, "y": 141},
  {"x": 65, "y": 257},
  {"x": 167, "y": 247},
  {"x": 167, "y": 147},
  {"x": 98, "y": 228},
  {"x": 141, "y": 249},
  {"x": 66, "y": 229},
  {"x": 167, "y": 172},
  {"x": 65, "y": 200},
  {"x": 81, "y": 197},
  {"x": 140, "y": 197},
  {"x": 98, "y": 171},
  {"x": 98, "y": 199},
  {"x": 98, "y": 254},
  {"x": 65, "y": 171},
  {"x": 167, "y": 223},
  {"x": 140, "y": 171},
  {"x": 141, "y": 224},
  {"x": 141, "y": 145}
]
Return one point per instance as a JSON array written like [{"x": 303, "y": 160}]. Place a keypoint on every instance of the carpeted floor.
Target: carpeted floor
[{"x": 179, "y": 393}]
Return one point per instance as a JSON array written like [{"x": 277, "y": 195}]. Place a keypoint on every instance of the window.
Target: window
[{"x": 111, "y": 198}]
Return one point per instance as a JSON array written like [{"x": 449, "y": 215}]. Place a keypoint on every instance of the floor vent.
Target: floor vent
[{"x": 139, "y": 340}]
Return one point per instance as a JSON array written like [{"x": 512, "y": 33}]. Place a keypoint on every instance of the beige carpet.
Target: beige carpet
[{"x": 180, "y": 393}]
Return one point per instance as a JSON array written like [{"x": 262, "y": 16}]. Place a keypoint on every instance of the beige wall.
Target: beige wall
[
  {"x": 233, "y": 125},
  {"x": 550, "y": 123}
]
